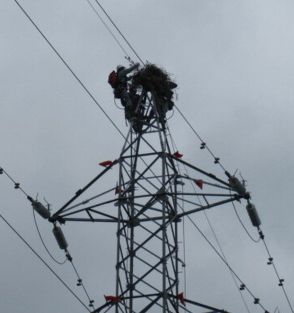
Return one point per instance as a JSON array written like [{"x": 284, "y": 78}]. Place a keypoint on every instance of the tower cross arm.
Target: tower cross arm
[
  {"x": 200, "y": 170},
  {"x": 81, "y": 191},
  {"x": 208, "y": 206}
]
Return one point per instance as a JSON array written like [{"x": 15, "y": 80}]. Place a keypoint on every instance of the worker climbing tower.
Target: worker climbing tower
[{"x": 149, "y": 198}]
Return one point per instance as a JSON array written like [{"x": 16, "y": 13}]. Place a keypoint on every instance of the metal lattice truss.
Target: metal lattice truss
[{"x": 146, "y": 199}]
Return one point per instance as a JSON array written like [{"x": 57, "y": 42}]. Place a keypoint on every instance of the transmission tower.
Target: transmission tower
[{"x": 146, "y": 202}]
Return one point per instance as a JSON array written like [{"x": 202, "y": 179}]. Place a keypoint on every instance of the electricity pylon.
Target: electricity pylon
[{"x": 146, "y": 201}]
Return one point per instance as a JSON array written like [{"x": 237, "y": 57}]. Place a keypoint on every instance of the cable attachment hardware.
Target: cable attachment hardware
[
  {"x": 252, "y": 212},
  {"x": 91, "y": 303},
  {"x": 79, "y": 282},
  {"x": 256, "y": 301},
  {"x": 203, "y": 145},
  {"x": 1, "y": 171},
  {"x": 68, "y": 256},
  {"x": 16, "y": 185},
  {"x": 261, "y": 235},
  {"x": 281, "y": 281},
  {"x": 237, "y": 186},
  {"x": 40, "y": 208},
  {"x": 270, "y": 261},
  {"x": 59, "y": 236},
  {"x": 242, "y": 287}
]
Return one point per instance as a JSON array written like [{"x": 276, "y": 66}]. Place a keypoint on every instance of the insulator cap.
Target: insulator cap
[
  {"x": 41, "y": 209},
  {"x": 254, "y": 217},
  {"x": 237, "y": 186},
  {"x": 59, "y": 236}
]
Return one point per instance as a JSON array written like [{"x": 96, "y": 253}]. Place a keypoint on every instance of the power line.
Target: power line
[
  {"x": 108, "y": 29},
  {"x": 271, "y": 262},
  {"x": 88, "y": 92},
  {"x": 68, "y": 256},
  {"x": 80, "y": 282},
  {"x": 44, "y": 262},
  {"x": 120, "y": 32},
  {"x": 226, "y": 259},
  {"x": 256, "y": 300},
  {"x": 69, "y": 68},
  {"x": 211, "y": 228},
  {"x": 16, "y": 184},
  {"x": 203, "y": 144}
]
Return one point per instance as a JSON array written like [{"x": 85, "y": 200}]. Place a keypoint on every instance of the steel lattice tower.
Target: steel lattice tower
[{"x": 146, "y": 204}]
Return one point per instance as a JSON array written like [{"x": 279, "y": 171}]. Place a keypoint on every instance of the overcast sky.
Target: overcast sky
[{"x": 233, "y": 62}]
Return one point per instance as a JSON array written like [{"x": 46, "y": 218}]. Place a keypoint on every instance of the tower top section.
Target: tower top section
[{"x": 146, "y": 93}]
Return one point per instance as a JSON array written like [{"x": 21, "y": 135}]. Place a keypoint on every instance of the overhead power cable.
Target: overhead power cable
[
  {"x": 120, "y": 32},
  {"x": 16, "y": 184},
  {"x": 68, "y": 67},
  {"x": 44, "y": 262},
  {"x": 226, "y": 259},
  {"x": 18, "y": 187},
  {"x": 271, "y": 262},
  {"x": 68, "y": 256},
  {"x": 109, "y": 30},
  {"x": 210, "y": 226},
  {"x": 203, "y": 143},
  {"x": 243, "y": 286},
  {"x": 80, "y": 281},
  {"x": 216, "y": 159}
]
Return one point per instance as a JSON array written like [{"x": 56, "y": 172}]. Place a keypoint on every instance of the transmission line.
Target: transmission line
[
  {"x": 120, "y": 32},
  {"x": 203, "y": 144},
  {"x": 211, "y": 228},
  {"x": 243, "y": 286},
  {"x": 69, "y": 68},
  {"x": 108, "y": 29},
  {"x": 18, "y": 186},
  {"x": 44, "y": 262},
  {"x": 68, "y": 256},
  {"x": 271, "y": 262}
]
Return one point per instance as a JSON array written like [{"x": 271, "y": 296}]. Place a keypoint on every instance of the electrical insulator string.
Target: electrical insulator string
[
  {"x": 243, "y": 225},
  {"x": 43, "y": 242},
  {"x": 45, "y": 246}
]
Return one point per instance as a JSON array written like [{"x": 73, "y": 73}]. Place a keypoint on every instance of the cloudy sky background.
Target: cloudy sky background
[{"x": 233, "y": 62}]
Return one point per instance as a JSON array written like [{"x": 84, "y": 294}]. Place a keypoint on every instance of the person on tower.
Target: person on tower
[{"x": 118, "y": 80}]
